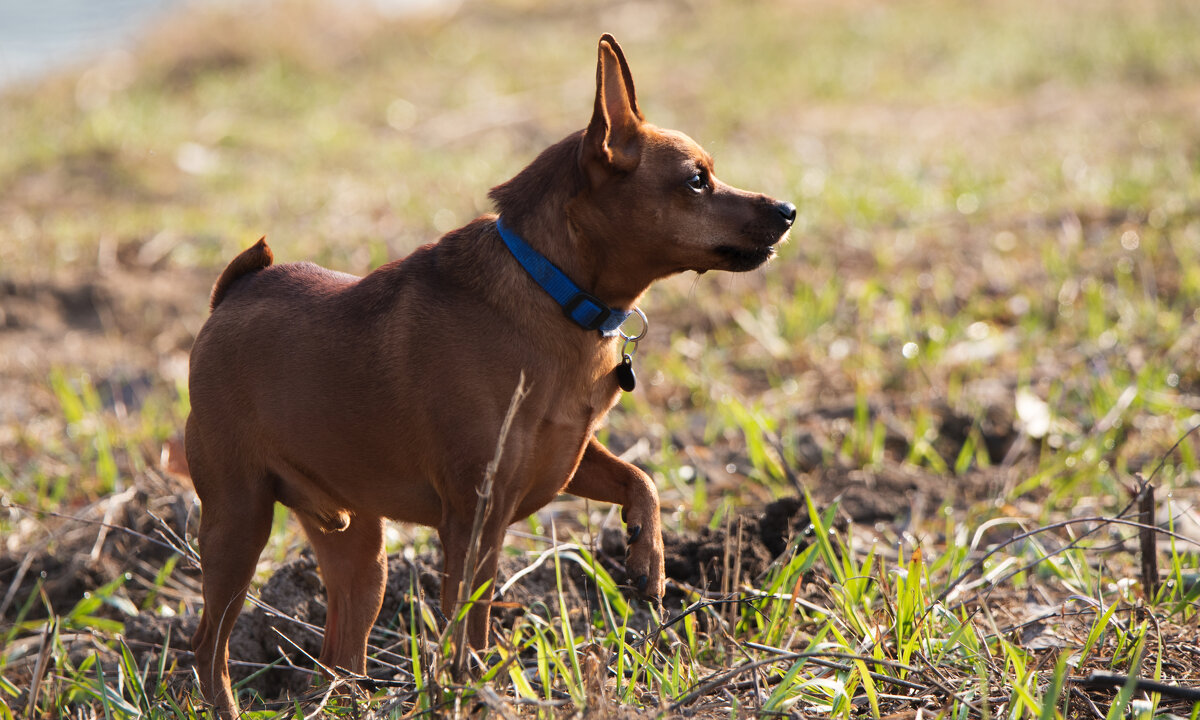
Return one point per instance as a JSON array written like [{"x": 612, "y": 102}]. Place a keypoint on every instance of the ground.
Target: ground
[{"x": 900, "y": 466}]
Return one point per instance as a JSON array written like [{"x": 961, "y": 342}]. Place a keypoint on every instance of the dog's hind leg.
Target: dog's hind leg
[
  {"x": 354, "y": 566},
  {"x": 234, "y": 526}
]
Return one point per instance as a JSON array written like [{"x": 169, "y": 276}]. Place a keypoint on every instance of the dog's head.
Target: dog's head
[{"x": 654, "y": 192}]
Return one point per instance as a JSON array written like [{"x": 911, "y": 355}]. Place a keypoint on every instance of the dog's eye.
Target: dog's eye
[{"x": 698, "y": 182}]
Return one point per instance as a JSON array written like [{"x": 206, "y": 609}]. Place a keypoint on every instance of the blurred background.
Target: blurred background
[{"x": 38, "y": 37}]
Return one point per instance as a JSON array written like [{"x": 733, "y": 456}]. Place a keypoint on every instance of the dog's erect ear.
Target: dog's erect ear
[
  {"x": 626, "y": 75},
  {"x": 612, "y": 141}
]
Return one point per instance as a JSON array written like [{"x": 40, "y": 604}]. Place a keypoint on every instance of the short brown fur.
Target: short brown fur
[{"x": 351, "y": 400}]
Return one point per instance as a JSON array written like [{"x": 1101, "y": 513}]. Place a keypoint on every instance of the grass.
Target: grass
[{"x": 990, "y": 299}]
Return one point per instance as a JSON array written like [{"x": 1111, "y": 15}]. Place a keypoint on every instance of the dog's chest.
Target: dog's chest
[
  {"x": 582, "y": 399},
  {"x": 579, "y": 413},
  {"x": 558, "y": 445},
  {"x": 570, "y": 412}
]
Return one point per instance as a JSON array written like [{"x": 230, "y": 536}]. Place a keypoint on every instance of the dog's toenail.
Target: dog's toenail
[{"x": 634, "y": 533}]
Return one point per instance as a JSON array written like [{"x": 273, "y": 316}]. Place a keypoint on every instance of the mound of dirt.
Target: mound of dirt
[
  {"x": 715, "y": 560},
  {"x": 130, "y": 535},
  {"x": 130, "y": 326}
]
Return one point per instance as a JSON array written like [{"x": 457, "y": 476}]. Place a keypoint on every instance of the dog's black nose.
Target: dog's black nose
[{"x": 788, "y": 212}]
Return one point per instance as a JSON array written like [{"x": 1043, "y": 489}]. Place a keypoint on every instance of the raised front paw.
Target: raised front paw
[{"x": 644, "y": 562}]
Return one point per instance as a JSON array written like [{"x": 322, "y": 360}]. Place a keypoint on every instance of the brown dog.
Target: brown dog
[{"x": 351, "y": 400}]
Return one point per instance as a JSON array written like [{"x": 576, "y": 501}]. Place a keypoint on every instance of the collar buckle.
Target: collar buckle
[{"x": 587, "y": 311}]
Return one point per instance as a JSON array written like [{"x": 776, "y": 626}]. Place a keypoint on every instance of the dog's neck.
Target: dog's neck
[
  {"x": 604, "y": 275},
  {"x": 586, "y": 260},
  {"x": 581, "y": 306},
  {"x": 535, "y": 205}
]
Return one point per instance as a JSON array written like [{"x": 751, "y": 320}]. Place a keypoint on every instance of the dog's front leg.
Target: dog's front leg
[
  {"x": 455, "y": 534},
  {"x": 605, "y": 477}
]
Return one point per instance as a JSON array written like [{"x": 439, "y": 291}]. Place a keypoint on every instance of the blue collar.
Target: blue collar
[{"x": 583, "y": 308}]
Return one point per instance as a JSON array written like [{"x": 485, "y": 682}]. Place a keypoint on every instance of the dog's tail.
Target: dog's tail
[{"x": 253, "y": 259}]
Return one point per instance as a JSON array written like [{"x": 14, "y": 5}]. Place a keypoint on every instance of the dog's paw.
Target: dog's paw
[{"x": 644, "y": 563}]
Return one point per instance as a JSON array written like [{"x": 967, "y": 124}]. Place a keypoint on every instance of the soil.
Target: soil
[{"x": 130, "y": 326}]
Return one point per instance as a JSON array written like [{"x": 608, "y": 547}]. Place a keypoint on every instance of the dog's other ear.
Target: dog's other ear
[{"x": 612, "y": 141}]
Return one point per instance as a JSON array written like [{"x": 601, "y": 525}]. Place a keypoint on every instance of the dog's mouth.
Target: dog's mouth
[{"x": 741, "y": 259}]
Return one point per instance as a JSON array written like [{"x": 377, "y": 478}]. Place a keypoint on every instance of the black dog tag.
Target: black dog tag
[{"x": 625, "y": 377}]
